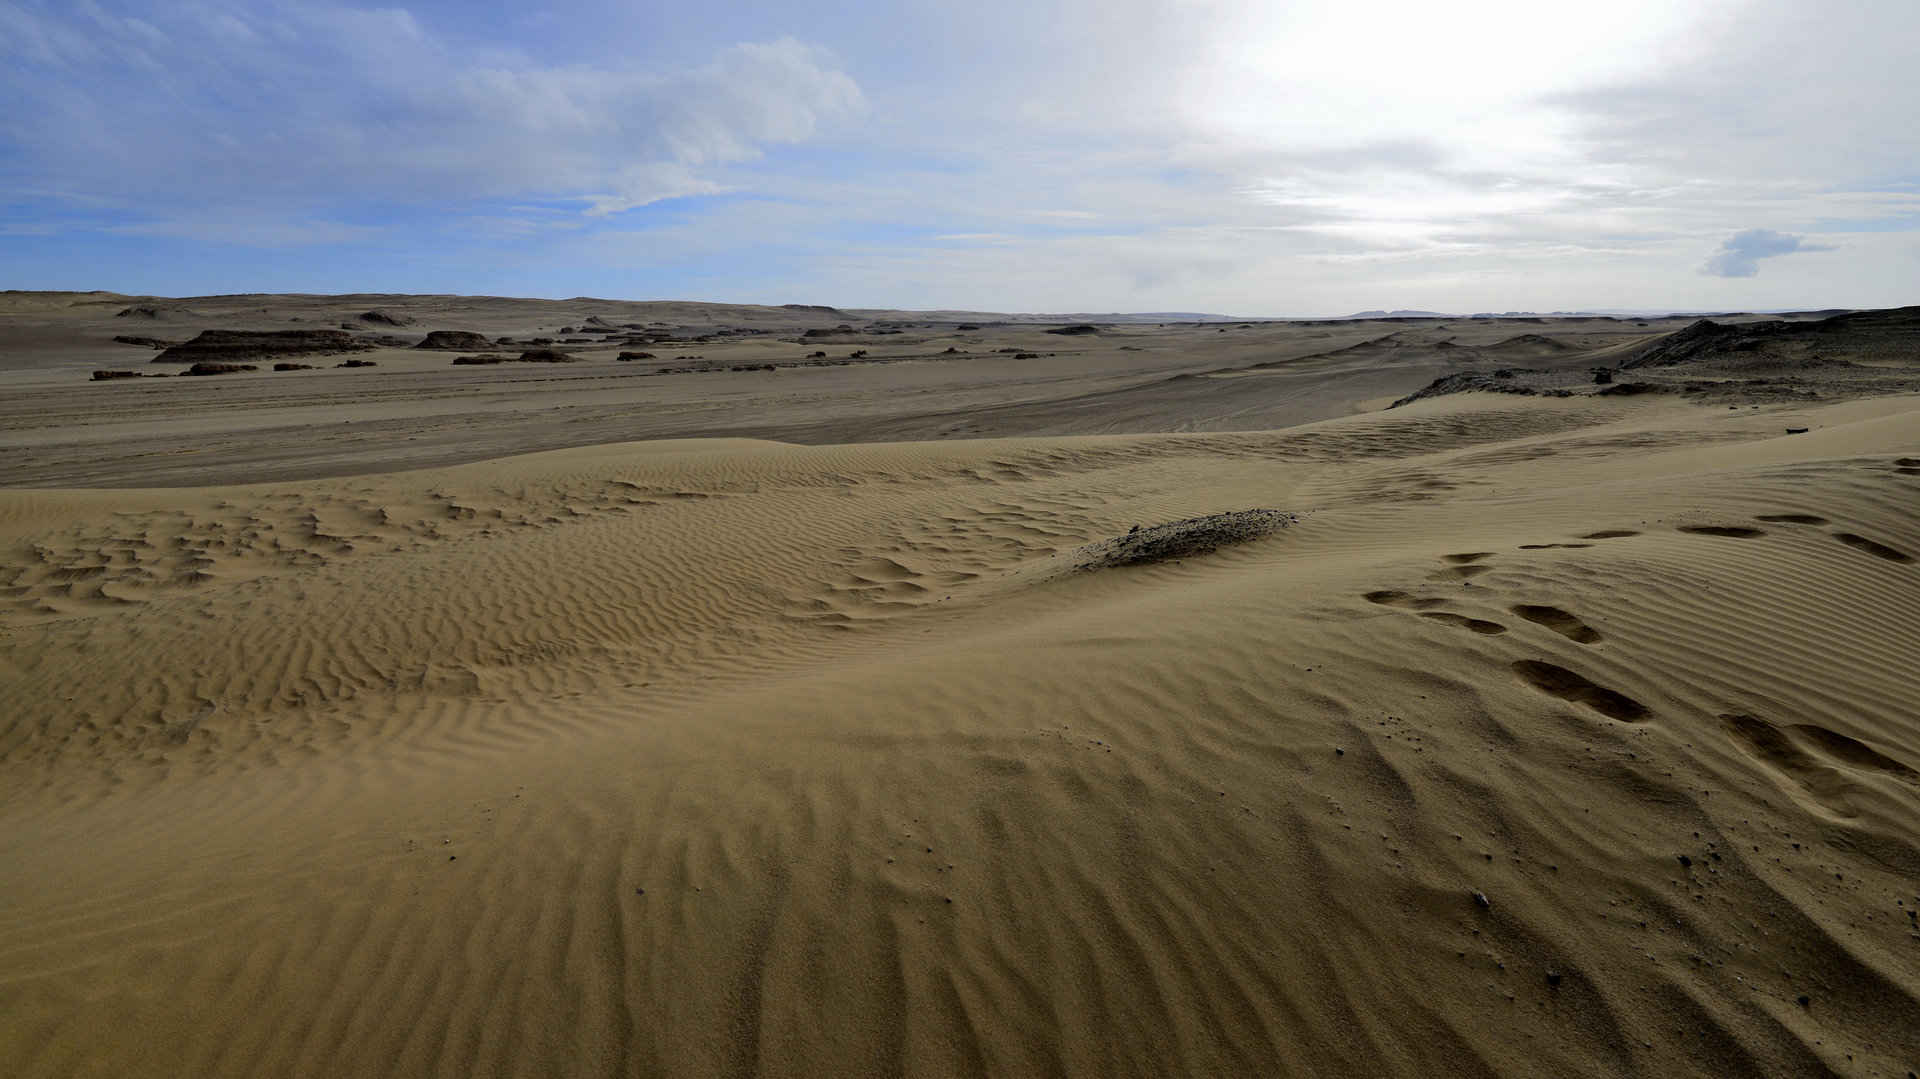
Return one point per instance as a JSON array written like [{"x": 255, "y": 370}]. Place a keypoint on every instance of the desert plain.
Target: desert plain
[{"x": 836, "y": 692}]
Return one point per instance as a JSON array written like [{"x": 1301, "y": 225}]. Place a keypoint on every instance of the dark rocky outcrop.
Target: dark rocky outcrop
[
  {"x": 293, "y": 367},
  {"x": 1887, "y": 336},
  {"x": 544, "y": 355},
  {"x": 385, "y": 318},
  {"x": 144, "y": 342},
  {"x": 625, "y": 356},
  {"x": 1080, "y": 330},
  {"x": 102, "y": 376},
  {"x": 477, "y": 361},
  {"x": 455, "y": 341},
  {"x": 219, "y": 368},
  {"x": 229, "y": 346},
  {"x": 357, "y": 363}
]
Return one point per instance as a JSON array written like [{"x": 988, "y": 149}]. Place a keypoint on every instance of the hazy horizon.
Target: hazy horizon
[{"x": 1217, "y": 157}]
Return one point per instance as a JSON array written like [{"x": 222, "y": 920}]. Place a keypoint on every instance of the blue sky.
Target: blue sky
[{"x": 1220, "y": 155}]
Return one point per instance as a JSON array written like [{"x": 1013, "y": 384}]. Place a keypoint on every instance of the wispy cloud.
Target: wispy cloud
[{"x": 223, "y": 99}]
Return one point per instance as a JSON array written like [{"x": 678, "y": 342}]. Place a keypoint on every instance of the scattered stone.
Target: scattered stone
[
  {"x": 102, "y": 376},
  {"x": 471, "y": 361},
  {"x": 544, "y": 355},
  {"x": 293, "y": 367},
  {"x": 1481, "y": 900},
  {"x": 625, "y": 356},
  {"x": 357, "y": 363}
]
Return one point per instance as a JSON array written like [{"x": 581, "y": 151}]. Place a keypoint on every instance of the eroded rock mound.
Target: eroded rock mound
[
  {"x": 143, "y": 342},
  {"x": 1182, "y": 539},
  {"x": 1080, "y": 330},
  {"x": 455, "y": 341},
  {"x": 1505, "y": 380},
  {"x": 385, "y": 318},
  {"x": 229, "y": 346}
]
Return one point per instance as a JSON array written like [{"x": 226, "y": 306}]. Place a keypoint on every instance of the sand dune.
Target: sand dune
[{"x": 1557, "y": 736}]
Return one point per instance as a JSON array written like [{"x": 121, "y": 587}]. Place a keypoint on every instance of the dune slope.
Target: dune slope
[{"x": 1568, "y": 737}]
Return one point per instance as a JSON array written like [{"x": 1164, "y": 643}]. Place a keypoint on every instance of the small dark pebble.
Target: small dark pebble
[
  {"x": 1338, "y": 752},
  {"x": 451, "y": 857},
  {"x": 1806, "y": 1001},
  {"x": 1686, "y": 861},
  {"x": 1481, "y": 898},
  {"x": 1553, "y": 978}
]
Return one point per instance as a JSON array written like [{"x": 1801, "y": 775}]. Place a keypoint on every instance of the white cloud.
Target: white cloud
[{"x": 1317, "y": 156}]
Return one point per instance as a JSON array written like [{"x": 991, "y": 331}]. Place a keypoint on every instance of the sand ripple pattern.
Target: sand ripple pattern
[{"x": 740, "y": 759}]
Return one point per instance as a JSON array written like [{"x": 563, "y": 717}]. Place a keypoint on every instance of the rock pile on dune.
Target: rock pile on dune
[{"x": 1182, "y": 539}]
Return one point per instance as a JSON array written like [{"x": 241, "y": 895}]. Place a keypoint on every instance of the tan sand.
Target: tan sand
[{"x": 1556, "y": 737}]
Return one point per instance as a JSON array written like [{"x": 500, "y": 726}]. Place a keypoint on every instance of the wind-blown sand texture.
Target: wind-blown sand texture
[{"x": 1555, "y": 736}]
